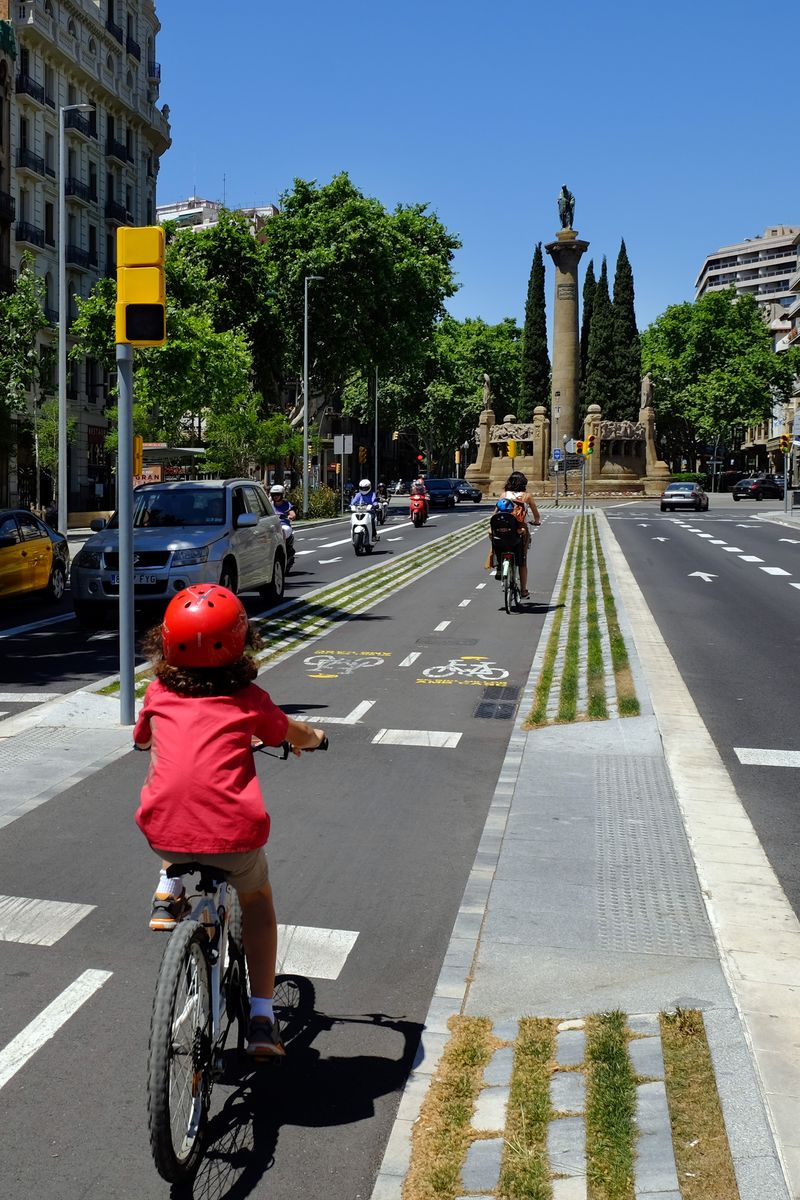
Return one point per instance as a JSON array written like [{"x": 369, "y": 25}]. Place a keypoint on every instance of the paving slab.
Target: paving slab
[
  {"x": 654, "y": 1168},
  {"x": 481, "y": 1169},
  {"x": 566, "y": 1146}
]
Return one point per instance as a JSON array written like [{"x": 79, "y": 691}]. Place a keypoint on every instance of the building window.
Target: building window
[
  {"x": 50, "y": 84},
  {"x": 129, "y": 78},
  {"x": 72, "y": 94},
  {"x": 49, "y": 224},
  {"x": 23, "y": 133},
  {"x": 92, "y": 46},
  {"x": 49, "y": 152},
  {"x": 92, "y": 181},
  {"x": 71, "y": 30}
]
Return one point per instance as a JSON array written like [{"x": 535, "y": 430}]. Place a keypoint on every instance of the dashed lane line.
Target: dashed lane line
[
  {"x": 464, "y": 603},
  {"x": 32, "y": 625},
  {"x": 751, "y": 558},
  {"x": 409, "y": 659},
  {"x": 317, "y": 953},
  {"x": 440, "y": 628},
  {"x": 774, "y": 571},
  {"x": 434, "y": 738},
  {"x": 750, "y": 757}
]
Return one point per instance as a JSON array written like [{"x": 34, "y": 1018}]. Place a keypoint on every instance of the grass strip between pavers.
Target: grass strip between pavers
[
  {"x": 538, "y": 715},
  {"x": 525, "y": 1172},
  {"x": 443, "y": 1132},
  {"x": 568, "y": 698},
  {"x": 610, "y": 1108},
  {"x": 702, "y": 1155},
  {"x": 626, "y": 693},
  {"x": 597, "y": 708}
]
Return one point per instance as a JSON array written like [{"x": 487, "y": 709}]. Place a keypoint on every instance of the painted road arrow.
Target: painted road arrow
[
  {"x": 791, "y": 541},
  {"x": 702, "y": 575},
  {"x": 659, "y": 539}
]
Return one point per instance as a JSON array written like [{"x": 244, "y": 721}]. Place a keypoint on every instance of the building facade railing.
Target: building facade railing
[
  {"x": 118, "y": 150},
  {"x": 78, "y": 189},
  {"x": 8, "y": 207},
  {"x": 25, "y": 232},
  {"x": 33, "y": 162},
  {"x": 27, "y": 86},
  {"x": 85, "y": 123},
  {"x": 133, "y": 47},
  {"x": 154, "y": 70},
  {"x": 79, "y": 257},
  {"x": 114, "y": 29}
]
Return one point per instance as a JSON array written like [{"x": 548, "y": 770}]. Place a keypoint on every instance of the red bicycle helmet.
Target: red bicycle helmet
[{"x": 205, "y": 625}]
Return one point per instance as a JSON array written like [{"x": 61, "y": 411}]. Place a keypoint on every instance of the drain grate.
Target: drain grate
[
  {"x": 510, "y": 692},
  {"x": 495, "y": 710}
]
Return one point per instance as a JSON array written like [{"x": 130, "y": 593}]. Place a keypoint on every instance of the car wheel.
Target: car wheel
[
  {"x": 228, "y": 576},
  {"x": 90, "y": 616},
  {"x": 736, "y": 499},
  {"x": 759, "y": 495},
  {"x": 273, "y": 592},
  {"x": 705, "y": 506},
  {"x": 476, "y": 500},
  {"x": 663, "y": 508},
  {"x": 57, "y": 584}
]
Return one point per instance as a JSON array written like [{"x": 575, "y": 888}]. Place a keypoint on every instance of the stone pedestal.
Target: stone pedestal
[
  {"x": 658, "y": 473},
  {"x": 541, "y": 444},
  {"x": 480, "y": 471},
  {"x": 566, "y": 253}
]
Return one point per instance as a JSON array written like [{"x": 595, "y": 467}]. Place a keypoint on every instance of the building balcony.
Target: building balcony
[
  {"x": 118, "y": 150},
  {"x": 79, "y": 191},
  {"x": 154, "y": 71},
  {"x": 49, "y": 237},
  {"x": 27, "y": 86},
  {"x": 49, "y": 101},
  {"x": 51, "y": 314},
  {"x": 114, "y": 29},
  {"x": 32, "y": 235},
  {"x": 133, "y": 48},
  {"x": 83, "y": 123},
  {"x": 28, "y": 161},
  {"x": 117, "y": 212},
  {"x": 76, "y": 256},
  {"x": 8, "y": 207},
  {"x": 7, "y": 279}
]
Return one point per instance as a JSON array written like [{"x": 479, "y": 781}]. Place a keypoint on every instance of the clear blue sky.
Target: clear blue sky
[{"x": 671, "y": 123}]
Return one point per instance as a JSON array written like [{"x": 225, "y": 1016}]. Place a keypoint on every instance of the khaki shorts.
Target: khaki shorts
[{"x": 247, "y": 870}]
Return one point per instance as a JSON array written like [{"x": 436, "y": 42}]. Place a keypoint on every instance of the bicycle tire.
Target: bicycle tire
[
  {"x": 293, "y": 999},
  {"x": 177, "y": 1137},
  {"x": 235, "y": 982},
  {"x": 507, "y": 574}
]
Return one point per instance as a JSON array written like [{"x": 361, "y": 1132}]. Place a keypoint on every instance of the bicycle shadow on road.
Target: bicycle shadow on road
[{"x": 308, "y": 1090}]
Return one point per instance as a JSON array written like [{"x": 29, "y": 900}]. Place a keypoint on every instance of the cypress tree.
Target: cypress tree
[
  {"x": 600, "y": 372},
  {"x": 535, "y": 359},
  {"x": 589, "y": 285},
  {"x": 627, "y": 349}
]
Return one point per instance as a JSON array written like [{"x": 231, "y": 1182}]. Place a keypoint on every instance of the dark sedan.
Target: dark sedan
[
  {"x": 464, "y": 490},
  {"x": 441, "y": 493},
  {"x": 758, "y": 488},
  {"x": 33, "y": 557}
]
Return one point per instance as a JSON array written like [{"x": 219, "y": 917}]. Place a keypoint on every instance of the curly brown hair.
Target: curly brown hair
[{"x": 203, "y": 681}]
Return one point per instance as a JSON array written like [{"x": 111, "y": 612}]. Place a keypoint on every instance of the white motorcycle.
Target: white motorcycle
[{"x": 361, "y": 528}]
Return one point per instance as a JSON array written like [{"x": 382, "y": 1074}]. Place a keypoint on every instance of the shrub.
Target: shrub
[{"x": 322, "y": 502}]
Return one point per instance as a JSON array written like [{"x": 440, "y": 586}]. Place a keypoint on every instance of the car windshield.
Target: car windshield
[
  {"x": 162, "y": 508},
  {"x": 681, "y": 487}
]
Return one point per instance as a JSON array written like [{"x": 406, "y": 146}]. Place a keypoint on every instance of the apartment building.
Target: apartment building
[
  {"x": 101, "y": 53},
  {"x": 197, "y": 213},
  {"x": 759, "y": 266}
]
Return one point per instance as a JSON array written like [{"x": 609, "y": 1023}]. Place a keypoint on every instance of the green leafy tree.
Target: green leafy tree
[
  {"x": 535, "y": 358},
  {"x": 47, "y": 436},
  {"x": 589, "y": 286},
  {"x": 600, "y": 372},
  {"x": 239, "y": 435},
  {"x": 714, "y": 371},
  {"x": 627, "y": 348}
]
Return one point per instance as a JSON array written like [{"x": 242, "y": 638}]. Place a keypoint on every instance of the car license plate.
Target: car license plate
[{"x": 138, "y": 577}]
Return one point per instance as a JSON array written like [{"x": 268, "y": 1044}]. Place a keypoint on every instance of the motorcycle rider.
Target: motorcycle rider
[
  {"x": 365, "y": 495},
  {"x": 284, "y": 510},
  {"x": 418, "y": 488}
]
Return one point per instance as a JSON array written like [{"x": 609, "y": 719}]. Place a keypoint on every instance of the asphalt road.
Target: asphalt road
[
  {"x": 377, "y": 838},
  {"x": 43, "y": 649},
  {"x": 734, "y": 638}
]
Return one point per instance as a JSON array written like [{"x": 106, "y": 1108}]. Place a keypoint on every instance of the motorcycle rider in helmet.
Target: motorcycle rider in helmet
[
  {"x": 366, "y": 495},
  {"x": 287, "y": 514}
]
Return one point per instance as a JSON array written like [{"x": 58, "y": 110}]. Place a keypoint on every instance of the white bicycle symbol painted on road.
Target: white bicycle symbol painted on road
[
  {"x": 459, "y": 666},
  {"x": 342, "y": 666}
]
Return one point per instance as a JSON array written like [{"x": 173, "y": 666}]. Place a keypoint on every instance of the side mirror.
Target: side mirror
[
  {"x": 246, "y": 520},
  {"x": 97, "y": 524}
]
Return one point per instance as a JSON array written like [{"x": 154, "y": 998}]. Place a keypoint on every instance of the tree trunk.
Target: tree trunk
[{"x": 37, "y": 476}]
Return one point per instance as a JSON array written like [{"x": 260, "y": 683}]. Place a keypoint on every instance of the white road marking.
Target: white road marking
[
  {"x": 397, "y": 539},
  {"x": 7, "y": 633},
  {"x": 705, "y": 535},
  {"x": 409, "y": 659},
  {"x": 702, "y": 575},
  {"x": 659, "y": 539},
  {"x": 38, "y": 922},
  {"x": 643, "y": 526},
  {"x": 479, "y": 586},
  {"x": 298, "y": 553},
  {"x": 318, "y": 953},
  {"x": 733, "y": 549},
  {"x": 440, "y": 628},
  {"x": 3, "y": 714},
  {"x": 325, "y": 561},
  {"x": 330, "y": 545},
  {"x": 718, "y": 542},
  {"x": 750, "y": 757},
  {"x": 38, "y": 1031},
  {"x": 748, "y": 526},
  {"x": 774, "y": 571},
  {"x": 28, "y": 697},
  {"x": 750, "y": 558},
  {"x": 791, "y": 541},
  {"x": 352, "y": 718},
  {"x": 794, "y": 585},
  {"x": 417, "y": 737},
  {"x": 464, "y": 603}
]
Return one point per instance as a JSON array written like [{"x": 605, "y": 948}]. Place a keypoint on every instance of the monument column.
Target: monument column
[{"x": 566, "y": 253}]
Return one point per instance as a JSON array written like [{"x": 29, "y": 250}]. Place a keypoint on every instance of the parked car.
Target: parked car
[
  {"x": 758, "y": 487},
  {"x": 220, "y": 531},
  {"x": 684, "y": 495},
  {"x": 441, "y": 493},
  {"x": 463, "y": 490},
  {"x": 33, "y": 557}
]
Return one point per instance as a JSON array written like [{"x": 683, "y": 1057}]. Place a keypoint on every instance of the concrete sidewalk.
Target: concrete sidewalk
[{"x": 618, "y": 870}]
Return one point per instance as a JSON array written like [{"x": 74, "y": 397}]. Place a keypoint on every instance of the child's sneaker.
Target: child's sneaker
[
  {"x": 168, "y": 910},
  {"x": 264, "y": 1039}
]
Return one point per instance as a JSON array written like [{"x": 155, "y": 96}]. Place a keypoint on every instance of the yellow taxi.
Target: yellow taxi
[{"x": 33, "y": 557}]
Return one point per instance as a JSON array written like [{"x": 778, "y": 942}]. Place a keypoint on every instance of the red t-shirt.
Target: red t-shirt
[{"x": 202, "y": 795}]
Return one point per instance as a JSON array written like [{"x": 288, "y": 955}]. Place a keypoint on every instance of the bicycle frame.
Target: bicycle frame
[{"x": 211, "y": 912}]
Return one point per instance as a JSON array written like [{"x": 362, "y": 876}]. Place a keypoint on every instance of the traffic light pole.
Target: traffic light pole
[
  {"x": 583, "y": 486},
  {"x": 127, "y": 699},
  {"x": 786, "y": 480}
]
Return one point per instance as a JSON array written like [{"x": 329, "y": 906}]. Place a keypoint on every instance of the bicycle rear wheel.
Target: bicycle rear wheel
[
  {"x": 179, "y": 1055},
  {"x": 235, "y": 986},
  {"x": 508, "y": 568}
]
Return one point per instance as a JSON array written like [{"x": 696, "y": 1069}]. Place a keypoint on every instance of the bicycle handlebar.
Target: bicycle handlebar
[{"x": 286, "y": 749}]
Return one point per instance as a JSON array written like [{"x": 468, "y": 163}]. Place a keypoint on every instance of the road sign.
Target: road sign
[
  {"x": 557, "y": 455},
  {"x": 796, "y": 424},
  {"x": 343, "y": 443},
  {"x": 571, "y": 446}
]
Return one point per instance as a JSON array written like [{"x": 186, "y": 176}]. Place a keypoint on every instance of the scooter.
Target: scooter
[
  {"x": 383, "y": 508},
  {"x": 288, "y": 540},
  {"x": 361, "y": 528},
  {"x": 418, "y": 510}
]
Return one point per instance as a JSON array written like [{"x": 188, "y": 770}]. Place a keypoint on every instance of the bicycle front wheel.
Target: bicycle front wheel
[
  {"x": 235, "y": 983},
  {"x": 179, "y": 1055},
  {"x": 508, "y": 576}
]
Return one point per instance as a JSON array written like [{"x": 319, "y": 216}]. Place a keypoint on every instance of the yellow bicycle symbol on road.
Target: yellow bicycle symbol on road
[
  {"x": 459, "y": 666},
  {"x": 341, "y": 666}
]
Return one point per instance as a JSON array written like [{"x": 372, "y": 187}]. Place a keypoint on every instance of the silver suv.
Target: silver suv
[{"x": 216, "y": 530}]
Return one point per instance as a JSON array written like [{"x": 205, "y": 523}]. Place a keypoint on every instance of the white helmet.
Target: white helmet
[
  {"x": 277, "y": 489},
  {"x": 364, "y": 485}
]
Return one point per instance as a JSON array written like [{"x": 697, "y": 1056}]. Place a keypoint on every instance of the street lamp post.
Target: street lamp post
[
  {"x": 308, "y": 279},
  {"x": 63, "y": 502},
  {"x": 555, "y": 465},
  {"x": 465, "y": 448}
]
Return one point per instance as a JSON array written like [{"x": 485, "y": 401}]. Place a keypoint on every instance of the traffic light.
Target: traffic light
[
  {"x": 141, "y": 296},
  {"x": 362, "y": 454},
  {"x": 420, "y": 458},
  {"x": 579, "y": 448},
  {"x": 511, "y": 447},
  {"x": 589, "y": 444},
  {"x": 138, "y": 455},
  {"x": 786, "y": 443},
  {"x": 395, "y": 435}
]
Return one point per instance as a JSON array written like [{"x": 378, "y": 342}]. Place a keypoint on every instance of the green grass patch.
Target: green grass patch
[
  {"x": 525, "y": 1172},
  {"x": 610, "y": 1108},
  {"x": 568, "y": 698},
  {"x": 443, "y": 1132},
  {"x": 702, "y": 1154},
  {"x": 597, "y": 708},
  {"x": 538, "y": 714},
  {"x": 627, "y": 702}
]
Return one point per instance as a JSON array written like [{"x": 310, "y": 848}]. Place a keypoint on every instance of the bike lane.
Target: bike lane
[{"x": 374, "y": 840}]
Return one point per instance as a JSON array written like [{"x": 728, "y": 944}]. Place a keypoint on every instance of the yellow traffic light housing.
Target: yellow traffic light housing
[
  {"x": 141, "y": 296},
  {"x": 785, "y": 443},
  {"x": 579, "y": 448},
  {"x": 590, "y": 444},
  {"x": 138, "y": 454},
  {"x": 511, "y": 447}
]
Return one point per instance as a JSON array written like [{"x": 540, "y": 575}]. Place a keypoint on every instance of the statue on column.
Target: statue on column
[
  {"x": 487, "y": 392},
  {"x": 566, "y": 207}
]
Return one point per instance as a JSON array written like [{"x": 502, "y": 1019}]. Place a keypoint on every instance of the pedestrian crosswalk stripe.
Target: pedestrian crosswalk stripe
[
  {"x": 318, "y": 953},
  {"x": 38, "y": 922},
  {"x": 750, "y": 757},
  {"x": 28, "y": 697},
  {"x": 417, "y": 737}
]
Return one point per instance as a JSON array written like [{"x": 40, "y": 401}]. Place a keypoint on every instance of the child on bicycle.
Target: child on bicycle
[
  {"x": 517, "y": 495},
  {"x": 201, "y": 801}
]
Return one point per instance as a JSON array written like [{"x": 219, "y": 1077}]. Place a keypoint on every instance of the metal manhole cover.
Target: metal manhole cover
[
  {"x": 495, "y": 709},
  {"x": 440, "y": 641},
  {"x": 510, "y": 692}
]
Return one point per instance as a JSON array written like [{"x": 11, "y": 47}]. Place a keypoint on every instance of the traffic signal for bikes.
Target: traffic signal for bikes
[
  {"x": 511, "y": 447},
  {"x": 362, "y": 454},
  {"x": 786, "y": 443},
  {"x": 138, "y": 454},
  {"x": 590, "y": 444},
  {"x": 141, "y": 297},
  {"x": 579, "y": 448}
]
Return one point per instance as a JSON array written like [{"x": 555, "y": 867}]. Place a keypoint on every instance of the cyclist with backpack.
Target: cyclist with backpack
[{"x": 511, "y": 510}]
